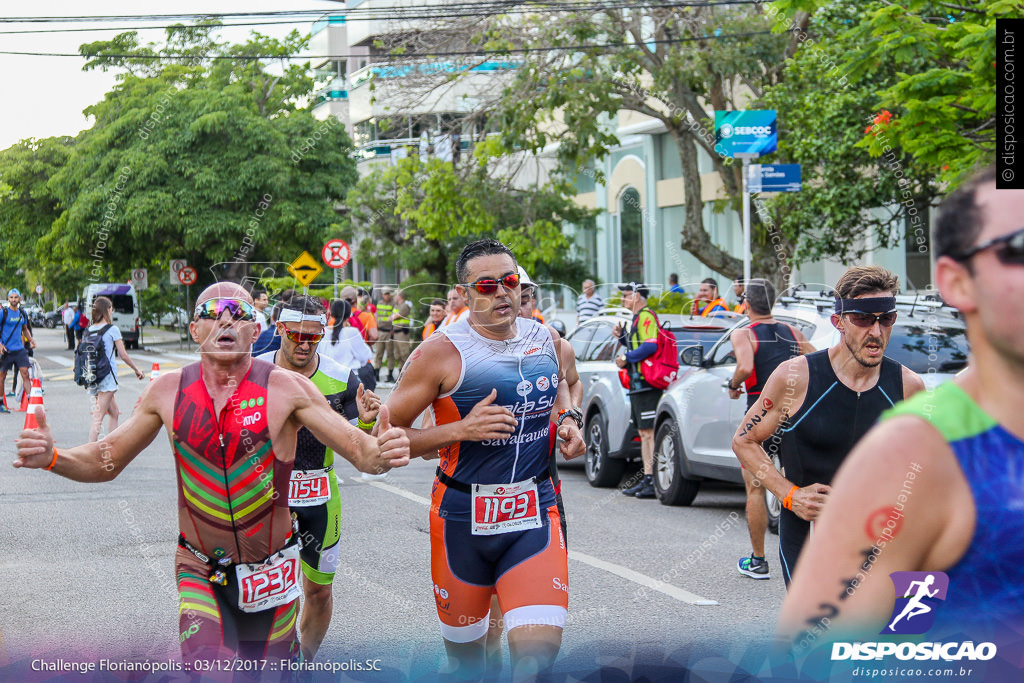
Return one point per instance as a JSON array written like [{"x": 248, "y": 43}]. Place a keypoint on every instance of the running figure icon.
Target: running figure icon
[{"x": 914, "y": 606}]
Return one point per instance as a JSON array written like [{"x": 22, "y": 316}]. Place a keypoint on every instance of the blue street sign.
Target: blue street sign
[
  {"x": 775, "y": 178},
  {"x": 745, "y": 132}
]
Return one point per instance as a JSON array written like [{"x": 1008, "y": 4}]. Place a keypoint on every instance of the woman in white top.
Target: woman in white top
[
  {"x": 344, "y": 345},
  {"x": 103, "y": 392}
]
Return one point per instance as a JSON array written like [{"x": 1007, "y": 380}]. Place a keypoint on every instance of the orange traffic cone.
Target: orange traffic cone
[
  {"x": 155, "y": 372},
  {"x": 35, "y": 399}
]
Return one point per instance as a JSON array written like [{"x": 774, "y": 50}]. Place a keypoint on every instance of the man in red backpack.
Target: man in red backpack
[{"x": 641, "y": 342}]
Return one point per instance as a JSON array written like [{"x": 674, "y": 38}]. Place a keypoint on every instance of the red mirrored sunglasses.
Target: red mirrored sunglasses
[{"x": 490, "y": 285}]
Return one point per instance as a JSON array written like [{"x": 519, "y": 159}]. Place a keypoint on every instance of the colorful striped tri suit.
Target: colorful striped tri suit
[{"x": 232, "y": 503}]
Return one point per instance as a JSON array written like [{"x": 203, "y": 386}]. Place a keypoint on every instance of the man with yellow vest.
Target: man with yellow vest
[
  {"x": 401, "y": 344},
  {"x": 385, "y": 309},
  {"x": 708, "y": 294}
]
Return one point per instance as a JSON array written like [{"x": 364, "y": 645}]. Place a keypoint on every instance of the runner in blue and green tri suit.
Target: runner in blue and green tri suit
[{"x": 313, "y": 489}]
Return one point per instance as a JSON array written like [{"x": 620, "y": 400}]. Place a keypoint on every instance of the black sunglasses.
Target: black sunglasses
[
  {"x": 1010, "y": 251},
  {"x": 869, "y": 319}
]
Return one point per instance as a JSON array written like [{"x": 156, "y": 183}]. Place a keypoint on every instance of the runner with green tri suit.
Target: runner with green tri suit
[{"x": 313, "y": 489}]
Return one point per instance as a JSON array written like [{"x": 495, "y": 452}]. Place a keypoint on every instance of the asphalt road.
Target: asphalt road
[{"x": 87, "y": 568}]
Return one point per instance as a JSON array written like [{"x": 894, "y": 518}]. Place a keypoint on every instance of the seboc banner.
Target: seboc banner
[{"x": 745, "y": 132}]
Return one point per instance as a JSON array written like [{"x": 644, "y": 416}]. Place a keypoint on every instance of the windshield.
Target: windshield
[{"x": 912, "y": 345}]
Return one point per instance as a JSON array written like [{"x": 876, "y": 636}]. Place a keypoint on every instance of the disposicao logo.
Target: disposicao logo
[{"x": 918, "y": 596}]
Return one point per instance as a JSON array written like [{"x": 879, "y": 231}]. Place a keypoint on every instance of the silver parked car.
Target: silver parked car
[
  {"x": 696, "y": 419},
  {"x": 612, "y": 440}
]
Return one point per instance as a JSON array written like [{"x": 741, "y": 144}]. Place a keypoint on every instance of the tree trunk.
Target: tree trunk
[{"x": 695, "y": 238}]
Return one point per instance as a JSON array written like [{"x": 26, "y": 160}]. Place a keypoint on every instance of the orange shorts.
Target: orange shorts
[{"x": 527, "y": 569}]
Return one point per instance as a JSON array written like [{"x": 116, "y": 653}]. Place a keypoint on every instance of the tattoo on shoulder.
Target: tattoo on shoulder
[
  {"x": 883, "y": 525},
  {"x": 754, "y": 421}
]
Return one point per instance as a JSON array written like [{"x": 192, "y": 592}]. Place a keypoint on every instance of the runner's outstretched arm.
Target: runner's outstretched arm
[
  {"x": 104, "y": 459},
  {"x": 390, "y": 448},
  {"x": 894, "y": 506}
]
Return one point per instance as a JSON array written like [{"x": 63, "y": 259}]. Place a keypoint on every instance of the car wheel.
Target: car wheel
[
  {"x": 602, "y": 471},
  {"x": 49, "y": 324},
  {"x": 669, "y": 483},
  {"x": 774, "y": 504}
]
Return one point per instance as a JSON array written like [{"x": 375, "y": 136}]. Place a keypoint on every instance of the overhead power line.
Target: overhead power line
[
  {"x": 147, "y": 28},
  {"x": 434, "y": 11},
  {"x": 403, "y": 57}
]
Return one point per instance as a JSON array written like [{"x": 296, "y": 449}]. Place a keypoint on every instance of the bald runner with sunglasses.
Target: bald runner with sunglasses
[
  {"x": 495, "y": 384},
  {"x": 232, "y": 421},
  {"x": 957, "y": 451},
  {"x": 313, "y": 492},
  {"x": 822, "y": 403}
]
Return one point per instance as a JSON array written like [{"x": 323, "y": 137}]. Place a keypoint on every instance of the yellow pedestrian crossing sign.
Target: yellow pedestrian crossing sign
[{"x": 305, "y": 268}]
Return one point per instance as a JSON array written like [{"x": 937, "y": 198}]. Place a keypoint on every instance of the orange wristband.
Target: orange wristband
[
  {"x": 54, "y": 461},
  {"x": 787, "y": 502}
]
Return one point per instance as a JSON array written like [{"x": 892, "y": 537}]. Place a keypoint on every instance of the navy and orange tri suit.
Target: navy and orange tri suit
[
  {"x": 237, "y": 562},
  {"x": 494, "y": 523}
]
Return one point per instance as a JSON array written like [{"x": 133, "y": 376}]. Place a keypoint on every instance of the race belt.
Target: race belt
[{"x": 501, "y": 508}]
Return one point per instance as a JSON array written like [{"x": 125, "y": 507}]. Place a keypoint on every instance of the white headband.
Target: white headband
[{"x": 290, "y": 315}]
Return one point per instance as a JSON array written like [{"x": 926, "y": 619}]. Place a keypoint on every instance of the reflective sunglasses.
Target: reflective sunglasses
[
  {"x": 1010, "y": 250},
  {"x": 869, "y": 319},
  {"x": 490, "y": 286},
  {"x": 303, "y": 337},
  {"x": 214, "y": 308}
]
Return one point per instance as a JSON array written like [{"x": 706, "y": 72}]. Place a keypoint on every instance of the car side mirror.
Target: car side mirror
[{"x": 693, "y": 356}]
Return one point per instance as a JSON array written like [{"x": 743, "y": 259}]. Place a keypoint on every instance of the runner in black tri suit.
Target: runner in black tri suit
[
  {"x": 232, "y": 422},
  {"x": 760, "y": 348},
  {"x": 823, "y": 403}
]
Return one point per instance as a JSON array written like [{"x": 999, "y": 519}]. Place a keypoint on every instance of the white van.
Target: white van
[{"x": 126, "y": 308}]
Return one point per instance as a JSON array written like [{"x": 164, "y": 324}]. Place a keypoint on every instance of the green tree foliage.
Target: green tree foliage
[
  {"x": 418, "y": 214},
  {"x": 823, "y": 114},
  {"x": 938, "y": 64},
  {"x": 676, "y": 65},
  {"x": 211, "y": 163},
  {"x": 28, "y": 208}
]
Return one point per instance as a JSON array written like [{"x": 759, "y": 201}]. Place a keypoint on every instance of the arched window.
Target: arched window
[{"x": 631, "y": 232}]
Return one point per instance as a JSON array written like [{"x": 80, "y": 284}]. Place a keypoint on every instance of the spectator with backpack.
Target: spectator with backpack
[
  {"x": 647, "y": 380},
  {"x": 96, "y": 365},
  {"x": 15, "y": 341}
]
